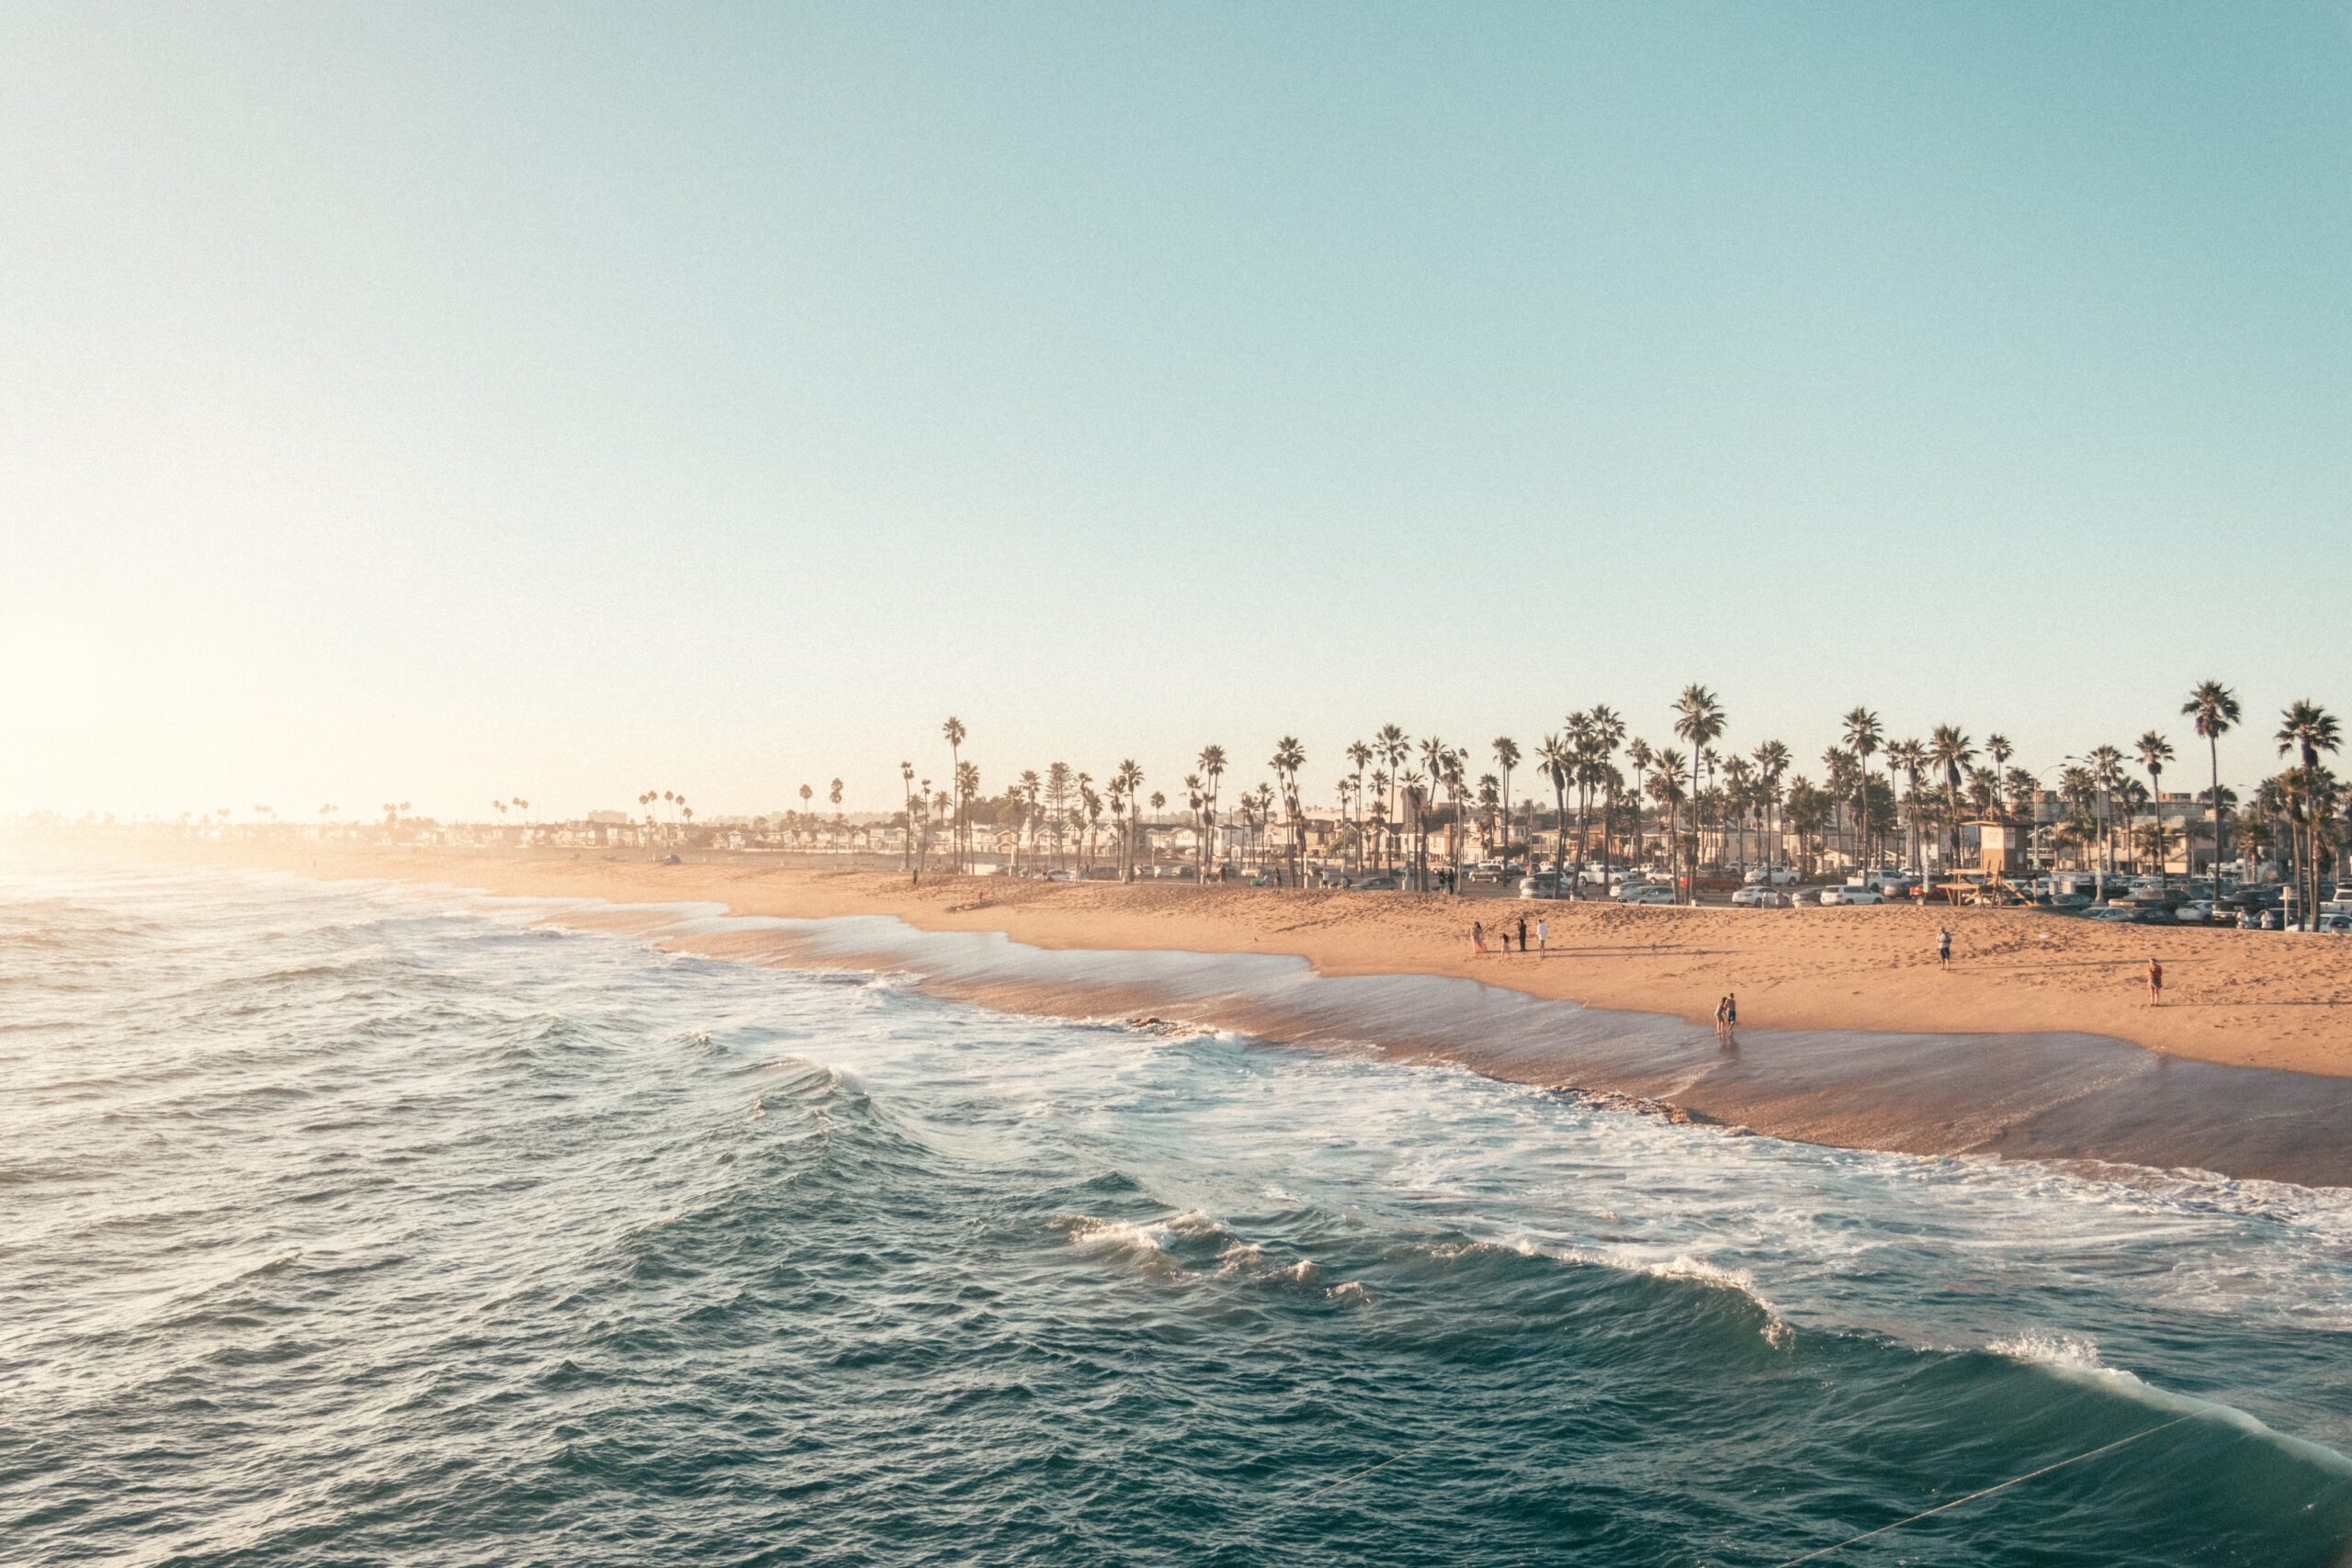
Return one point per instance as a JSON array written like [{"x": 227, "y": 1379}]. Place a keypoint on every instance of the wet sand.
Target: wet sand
[{"x": 2038, "y": 1044}]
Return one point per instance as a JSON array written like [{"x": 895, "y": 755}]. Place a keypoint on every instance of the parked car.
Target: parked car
[
  {"x": 1892, "y": 884},
  {"x": 1543, "y": 887},
  {"x": 1377, "y": 885},
  {"x": 1644, "y": 893},
  {"x": 1485, "y": 871},
  {"x": 2112, "y": 914},
  {"x": 1850, "y": 894},
  {"x": 2196, "y": 912},
  {"x": 1771, "y": 876},
  {"x": 1755, "y": 896}
]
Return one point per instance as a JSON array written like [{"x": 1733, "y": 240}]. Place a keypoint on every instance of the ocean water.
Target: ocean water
[{"x": 346, "y": 1225}]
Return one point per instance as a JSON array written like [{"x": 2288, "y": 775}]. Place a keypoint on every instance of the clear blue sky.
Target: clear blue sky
[{"x": 436, "y": 402}]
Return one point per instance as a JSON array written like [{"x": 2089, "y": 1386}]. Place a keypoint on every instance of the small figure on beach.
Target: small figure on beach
[
  {"x": 2155, "y": 984},
  {"x": 1523, "y": 934},
  {"x": 1478, "y": 936},
  {"x": 1943, "y": 947},
  {"x": 1727, "y": 1018},
  {"x": 1543, "y": 937}
]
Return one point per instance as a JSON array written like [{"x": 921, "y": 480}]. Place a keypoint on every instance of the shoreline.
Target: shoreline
[
  {"x": 1971, "y": 1087},
  {"x": 2242, "y": 999}
]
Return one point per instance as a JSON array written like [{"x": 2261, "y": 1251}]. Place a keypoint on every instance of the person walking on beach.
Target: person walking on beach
[
  {"x": 1542, "y": 937},
  {"x": 1522, "y": 936},
  {"x": 1943, "y": 947},
  {"x": 2155, "y": 984},
  {"x": 1727, "y": 1019},
  {"x": 1478, "y": 936}
]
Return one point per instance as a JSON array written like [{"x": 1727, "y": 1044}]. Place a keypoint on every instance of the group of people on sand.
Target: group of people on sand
[
  {"x": 1502, "y": 933},
  {"x": 2156, "y": 970}
]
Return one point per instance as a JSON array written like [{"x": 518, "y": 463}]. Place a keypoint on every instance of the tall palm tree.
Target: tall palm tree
[
  {"x": 954, "y": 730},
  {"x": 2308, "y": 730},
  {"x": 1392, "y": 746},
  {"x": 1911, "y": 757},
  {"x": 1739, "y": 781},
  {"x": 1127, "y": 778},
  {"x": 1359, "y": 759},
  {"x": 1699, "y": 719},
  {"x": 1450, "y": 775},
  {"x": 1578, "y": 732},
  {"x": 2154, "y": 751},
  {"x": 1639, "y": 754},
  {"x": 1950, "y": 749},
  {"x": 1863, "y": 735},
  {"x": 968, "y": 790},
  {"x": 1289, "y": 757},
  {"x": 1212, "y": 766},
  {"x": 1665, "y": 788},
  {"x": 1556, "y": 759},
  {"x": 1771, "y": 760},
  {"x": 2107, "y": 773},
  {"x": 1607, "y": 727},
  {"x": 1507, "y": 755},
  {"x": 2214, "y": 708}
]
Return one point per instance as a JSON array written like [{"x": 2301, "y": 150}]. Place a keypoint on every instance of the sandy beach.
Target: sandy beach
[{"x": 2261, "y": 999}]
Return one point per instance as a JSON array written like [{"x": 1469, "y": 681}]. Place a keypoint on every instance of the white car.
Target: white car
[
  {"x": 1849, "y": 895},
  {"x": 1538, "y": 888},
  {"x": 1644, "y": 893},
  {"x": 2196, "y": 912},
  {"x": 1771, "y": 876},
  {"x": 1755, "y": 896}
]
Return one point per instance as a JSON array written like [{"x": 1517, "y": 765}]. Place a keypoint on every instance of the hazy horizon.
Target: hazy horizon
[{"x": 440, "y": 403}]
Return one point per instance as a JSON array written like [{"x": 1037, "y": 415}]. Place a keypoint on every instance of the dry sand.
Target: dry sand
[{"x": 2249, "y": 998}]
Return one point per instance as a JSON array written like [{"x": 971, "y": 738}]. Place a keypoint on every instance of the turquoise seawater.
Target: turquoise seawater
[{"x": 346, "y": 1225}]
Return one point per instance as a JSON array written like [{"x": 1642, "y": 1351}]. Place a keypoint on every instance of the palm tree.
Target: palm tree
[
  {"x": 1950, "y": 749},
  {"x": 1127, "y": 778},
  {"x": 1289, "y": 757},
  {"x": 1556, "y": 759},
  {"x": 2214, "y": 708},
  {"x": 1359, "y": 758},
  {"x": 1212, "y": 766},
  {"x": 1607, "y": 727},
  {"x": 1665, "y": 788},
  {"x": 966, "y": 786},
  {"x": 2107, "y": 773},
  {"x": 1862, "y": 734},
  {"x": 1391, "y": 745},
  {"x": 1771, "y": 761},
  {"x": 2308, "y": 730},
  {"x": 954, "y": 730},
  {"x": 2154, "y": 751},
  {"x": 1506, "y": 754},
  {"x": 1699, "y": 719},
  {"x": 1456, "y": 779},
  {"x": 907, "y": 792},
  {"x": 1639, "y": 754},
  {"x": 1911, "y": 757},
  {"x": 1740, "y": 782}
]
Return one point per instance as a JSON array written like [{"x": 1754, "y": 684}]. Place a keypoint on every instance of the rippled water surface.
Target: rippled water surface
[{"x": 341, "y": 1224}]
